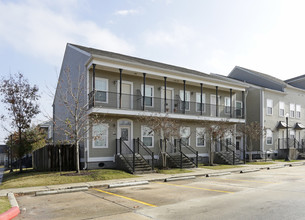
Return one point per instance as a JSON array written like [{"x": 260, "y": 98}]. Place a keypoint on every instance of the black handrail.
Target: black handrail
[
  {"x": 143, "y": 146},
  {"x": 228, "y": 148},
  {"x": 186, "y": 146},
  {"x": 167, "y": 154},
  {"x": 124, "y": 145}
]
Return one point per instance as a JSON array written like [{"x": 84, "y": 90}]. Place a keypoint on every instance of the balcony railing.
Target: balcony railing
[{"x": 156, "y": 104}]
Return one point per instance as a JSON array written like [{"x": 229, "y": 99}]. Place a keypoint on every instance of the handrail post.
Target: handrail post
[
  {"x": 180, "y": 144},
  {"x": 133, "y": 160},
  {"x": 278, "y": 143},
  {"x": 120, "y": 145},
  {"x": 233, "y": 157},
  {"x": 294, "y": 142},
  {"x": 181, "y": 160},
  {"x": 138, "y": 144},
  {"x": 152, "y": 161},
  {"x": 196, "y": 158}
]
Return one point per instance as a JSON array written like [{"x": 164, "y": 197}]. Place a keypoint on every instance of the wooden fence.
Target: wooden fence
[{"x": 54, "y": 158}]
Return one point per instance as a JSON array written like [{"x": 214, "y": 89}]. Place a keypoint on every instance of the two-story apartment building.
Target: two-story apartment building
[
  {"x": 271, "y": 102},
  {"x": 123, "y": 89}
]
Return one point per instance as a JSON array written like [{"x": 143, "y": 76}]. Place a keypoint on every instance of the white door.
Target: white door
[
  {"x": 126, "y": 96},
  {"x": 169, "y": 100}
]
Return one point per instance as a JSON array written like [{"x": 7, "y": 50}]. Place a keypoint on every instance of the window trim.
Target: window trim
[
  {"x": 270, "y": 136},
  {"x": 107, "y": 88},
  {"x": 107, "y": 136},
  {"x": 203, "y": 101},
  {"x": 152, "y": 137},
  {"x": 292, "y": 104},
  {"x": 181, "y": 99},
  {"x": 269, "y": 107},
  {"x": 152, "y": 95},
  {"x": 281, "y": 108},
  {"x": 296, "y": 111},
  {"x": 197, "y": 136}
]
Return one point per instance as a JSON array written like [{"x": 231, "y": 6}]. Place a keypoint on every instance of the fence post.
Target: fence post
[
  {"x": 120, "y": 145},
  {"x": 133, "y": 160},
  {"x": 196, "y": 158},
  {"x": 181, "y": 159},
  {"x": 152, "y": 161}
]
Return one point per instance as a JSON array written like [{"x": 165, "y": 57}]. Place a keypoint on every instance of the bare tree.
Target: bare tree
[
  {"x": 75, "y": 123},
  {"x": 167, "y": 128},
  {"x": 214, "y": 130},
  {"x": 254, "y": 132},
  {"x": 20, "y": 100}
]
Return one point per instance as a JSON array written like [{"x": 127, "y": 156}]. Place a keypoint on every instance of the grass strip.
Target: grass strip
[
  {"x": 4, "y": 204},
  {"x": 260, "y": 163},
  {"x": 30, "y": 178}
]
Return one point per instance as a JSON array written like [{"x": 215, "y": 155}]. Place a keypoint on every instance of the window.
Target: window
[
  {"x": 269, "y": 137},
  {"x": 227, "y": 105},
  {"x": 101, "y": 86},
  {"x": 200, "y": 137},
  {"x": 198, "y": 102},
  {"x": 149, "y": 95},
  {"x": 100, "y": 136},
  {"x": 269, "y": 106},
  {"x": 298, "y": 111},
  {"x": 292, "y": 110},
  {"x": 238, "y": 108},
  {"x": 228, "y": 139},
  {"x": 187, "y": 99},
  {"x": 147, "y": 136},
  {"x": 291, "y": 134},
  {"x": 281, "y": 109},
  {"x": 185, "y": 133}
]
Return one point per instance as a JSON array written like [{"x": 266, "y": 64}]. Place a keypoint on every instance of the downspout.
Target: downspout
[{"x": 262, "y": 112}]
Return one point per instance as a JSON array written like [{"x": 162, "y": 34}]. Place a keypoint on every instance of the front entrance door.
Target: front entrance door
[
  {"x": 169, "y": 100},
  {"x": 125, "y": 132}
]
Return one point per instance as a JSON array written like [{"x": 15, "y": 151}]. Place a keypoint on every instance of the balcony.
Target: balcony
[{"x": 110, "y": 100}]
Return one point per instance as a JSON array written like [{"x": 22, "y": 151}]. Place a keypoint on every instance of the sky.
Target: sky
[{"x": 211, "y": 36}]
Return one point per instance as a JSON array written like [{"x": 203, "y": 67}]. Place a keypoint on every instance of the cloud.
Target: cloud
[
  {"x": 126, "y": 12},
  {"x": 42, "y": 29}
]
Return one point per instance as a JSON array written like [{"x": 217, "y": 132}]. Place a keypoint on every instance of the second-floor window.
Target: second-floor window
[
  {"x": 269, "y": 106},
  {"x": 292, "y": 110},
  {"x": 298, "y": 111},
  {"x": 187, "y": 99},
  {"x": 281, "y": 109},
  {"x": 101, "y": 87},
  {"x": 149, "y": 95},
  {"x": 198, "y": 102}
]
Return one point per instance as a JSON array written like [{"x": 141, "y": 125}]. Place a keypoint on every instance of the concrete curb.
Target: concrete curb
[
  {"x": 249, "y": 171},
  {"x": 218, "y": 174},
  {"x": 296, "y": 164},
  {"x": 51, "y": 192},
  {"x": 115, "y": 185},
  {"x": 12, "y": 212},
  {"x": 179, "y": 178},
  {"x": 275, "y": 167}
]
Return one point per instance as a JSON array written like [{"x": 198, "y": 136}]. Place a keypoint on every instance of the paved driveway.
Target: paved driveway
[{"x": 267, "y": 194}]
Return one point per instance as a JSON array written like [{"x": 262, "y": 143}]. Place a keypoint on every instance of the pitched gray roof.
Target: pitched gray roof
[{"x": 137, "y": 60}]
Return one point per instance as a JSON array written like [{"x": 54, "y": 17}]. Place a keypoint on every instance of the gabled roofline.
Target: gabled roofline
[{"x": 297, "y": 78}]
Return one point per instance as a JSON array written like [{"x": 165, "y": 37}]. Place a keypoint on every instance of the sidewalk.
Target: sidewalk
[{"x": 146, "y": 177}]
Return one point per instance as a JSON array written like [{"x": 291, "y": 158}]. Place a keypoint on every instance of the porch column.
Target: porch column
[
  {"x": 93, "y": 77},
  {"x": 120, "y": 105},
  {"x": 184, "y": 97},
  {"x": 165, "y": 93},
  {"x": 216, "y": 101},
  {"x": 201, "y": 109},
  {"x": 243, "y": 104},
  {"x": 230, "y": 103},
  {"x": 144, "y": 86}
]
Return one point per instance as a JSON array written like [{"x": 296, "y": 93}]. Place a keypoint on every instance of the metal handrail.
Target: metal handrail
[
  {"x": 122, "y": 143},
  {"x": 190, "y": 149},
  {"x": 140, "y": 143}
]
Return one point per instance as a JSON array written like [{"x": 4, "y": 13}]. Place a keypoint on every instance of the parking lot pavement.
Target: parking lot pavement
[{"x": 267, "y": 194}]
